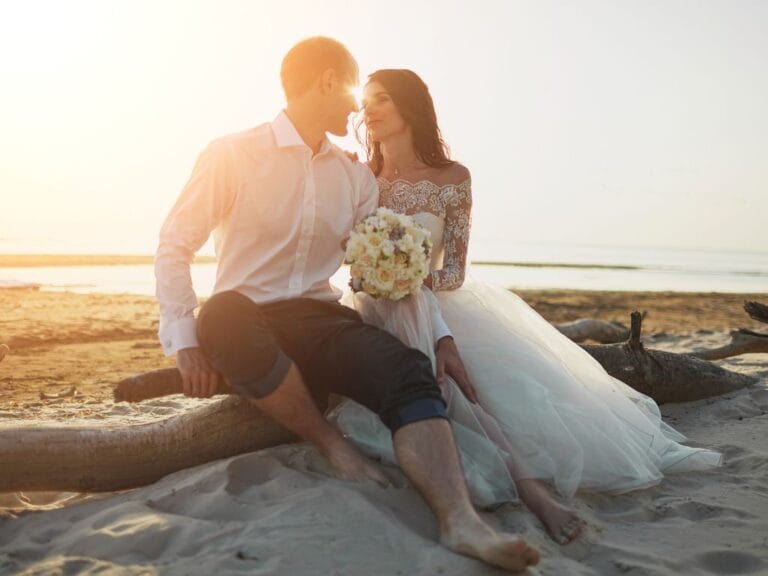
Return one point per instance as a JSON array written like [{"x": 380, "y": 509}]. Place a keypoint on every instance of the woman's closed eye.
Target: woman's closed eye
[{"x": 379, "y": 98}]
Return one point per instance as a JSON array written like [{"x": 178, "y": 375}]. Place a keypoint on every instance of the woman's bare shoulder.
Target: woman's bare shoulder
[{"x": 455, "y": 173}]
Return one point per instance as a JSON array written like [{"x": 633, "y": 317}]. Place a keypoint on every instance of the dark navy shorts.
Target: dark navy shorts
[{"x": 253, "y": 346}]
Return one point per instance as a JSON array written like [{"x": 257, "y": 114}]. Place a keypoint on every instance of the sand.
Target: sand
[{"x": 278, "y": 511}]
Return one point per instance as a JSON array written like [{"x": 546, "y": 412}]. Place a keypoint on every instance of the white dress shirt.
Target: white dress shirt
[{"x": 278, "y": 215}]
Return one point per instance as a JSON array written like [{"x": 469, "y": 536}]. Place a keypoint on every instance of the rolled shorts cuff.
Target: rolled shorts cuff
[
  {"x": 264, "y": 386},
  {"x": 421, "y": 409}
]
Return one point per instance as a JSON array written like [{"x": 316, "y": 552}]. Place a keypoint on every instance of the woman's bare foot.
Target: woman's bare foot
[
  {"x": 473, "y": 537},
  {"x": 3, "y": 351},
  {"x": 350, "y": 464},
  {"x": 562, "y": 523}
]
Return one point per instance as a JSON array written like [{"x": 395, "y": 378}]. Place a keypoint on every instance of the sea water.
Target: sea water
[{"x": 521, "y": 266}]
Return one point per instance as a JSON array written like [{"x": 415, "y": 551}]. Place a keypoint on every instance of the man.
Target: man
[{"x": 280, "y": 199}]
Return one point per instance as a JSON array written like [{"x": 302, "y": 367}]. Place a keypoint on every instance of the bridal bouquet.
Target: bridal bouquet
[{"x": 388, "y": 254}]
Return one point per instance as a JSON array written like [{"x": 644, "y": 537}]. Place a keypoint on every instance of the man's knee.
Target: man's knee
[
  {"x": 418, "y": 395},
  {"x": 220, "y": 313},
  {"x": 410, "y": 392},
  {"x": 239, "y": 343}
]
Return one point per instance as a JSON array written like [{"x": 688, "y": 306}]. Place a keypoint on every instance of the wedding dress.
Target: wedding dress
[{"x": 547, "y": 409}]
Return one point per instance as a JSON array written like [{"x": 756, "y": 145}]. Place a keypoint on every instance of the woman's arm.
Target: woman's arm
[{"x": 458, "y": 212}]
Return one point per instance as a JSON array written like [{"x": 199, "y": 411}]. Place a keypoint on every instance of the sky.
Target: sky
[{"x": 615, "y": 122}]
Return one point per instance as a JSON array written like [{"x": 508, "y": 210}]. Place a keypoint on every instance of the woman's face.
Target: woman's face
[{"x": 380, "y": 113}]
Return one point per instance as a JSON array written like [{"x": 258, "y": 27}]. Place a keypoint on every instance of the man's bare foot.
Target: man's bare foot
[
  {"x": 562, "y": 523},
  {"x": 473, "y": 537},
  {"x": 352, "y": 465}
]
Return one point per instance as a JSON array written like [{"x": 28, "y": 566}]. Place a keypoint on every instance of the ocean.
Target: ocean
[{"x": 535, "y": 266}]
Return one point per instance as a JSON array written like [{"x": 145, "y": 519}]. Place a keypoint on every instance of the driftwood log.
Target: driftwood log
[
  {"x": 757, "y": 311},
  {"x": 597, "y": 330},
  {"x": 665, "y": 376},
  {"x": 155, "y": 384},
  {"x": 743, "y": 341},
  {"x": 104, "y": 459}
]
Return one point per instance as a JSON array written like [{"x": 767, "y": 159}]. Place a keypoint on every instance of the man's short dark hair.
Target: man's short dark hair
[{"x": 307, "y": 60}]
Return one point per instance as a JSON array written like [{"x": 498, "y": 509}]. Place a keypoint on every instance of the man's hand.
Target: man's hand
[
  {"x": 197, "y": 374},
  {"x": 449, "y": 364}
]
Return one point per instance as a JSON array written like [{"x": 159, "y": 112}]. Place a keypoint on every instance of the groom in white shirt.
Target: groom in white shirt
[{"x": 279, "y": 200}]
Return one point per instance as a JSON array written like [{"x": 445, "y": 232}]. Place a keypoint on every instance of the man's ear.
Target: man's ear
[{"x": 328, "y": 81}]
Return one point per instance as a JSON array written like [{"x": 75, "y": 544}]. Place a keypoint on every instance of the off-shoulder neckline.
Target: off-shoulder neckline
[{"x": 425, "y": 181}]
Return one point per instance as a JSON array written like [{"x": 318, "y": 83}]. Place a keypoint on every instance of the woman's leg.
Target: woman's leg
[{"x": 562, "y": 522}]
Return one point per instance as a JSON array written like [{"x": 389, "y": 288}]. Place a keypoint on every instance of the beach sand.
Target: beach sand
[{"x": 278, "y": 511}]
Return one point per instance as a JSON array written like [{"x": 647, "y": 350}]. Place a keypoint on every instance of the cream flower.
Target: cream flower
[{"x": 389, "y": 254}]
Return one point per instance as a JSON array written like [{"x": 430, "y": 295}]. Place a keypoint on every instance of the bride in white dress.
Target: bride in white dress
[{"x": 545, "y": 410}]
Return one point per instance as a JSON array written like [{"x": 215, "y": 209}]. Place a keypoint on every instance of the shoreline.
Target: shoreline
[
  {"x": 71, "y": 260},
  {"x": 42, "y": 260}
]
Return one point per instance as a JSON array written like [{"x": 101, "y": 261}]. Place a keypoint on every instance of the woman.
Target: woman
[{"x": 545, "y": 409}]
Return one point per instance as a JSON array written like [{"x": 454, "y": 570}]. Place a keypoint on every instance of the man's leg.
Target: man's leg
[
  {"x": 427, "y": 455},
  {"x": 238, "y": 340},
  {"x": 292, "y": 406},
  {"x": 376, "y": 369}
]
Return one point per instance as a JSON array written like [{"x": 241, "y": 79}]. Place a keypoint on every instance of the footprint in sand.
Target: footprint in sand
[
  {"x": 728, "y": 562},
  {"x": 696, "y": 510},
  {"x": 262, "y": 473}
]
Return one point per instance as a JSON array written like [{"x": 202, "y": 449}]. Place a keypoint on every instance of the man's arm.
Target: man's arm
[
  {"x": 198, "y": 210},
  {"x": 368, "y": 192}
]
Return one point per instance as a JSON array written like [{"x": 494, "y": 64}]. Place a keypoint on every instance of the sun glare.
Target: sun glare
[{"x": 357, "y": 92}]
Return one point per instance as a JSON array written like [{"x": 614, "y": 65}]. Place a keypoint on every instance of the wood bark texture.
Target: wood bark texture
[
  {"x": 78, "y": 459},
  {"x": 597, "y": 330}
]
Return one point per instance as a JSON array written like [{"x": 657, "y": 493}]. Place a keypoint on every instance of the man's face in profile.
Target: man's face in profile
[{"x": 343, "y": 101}]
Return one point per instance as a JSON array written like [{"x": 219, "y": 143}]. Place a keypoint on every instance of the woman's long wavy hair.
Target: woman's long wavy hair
[{"x": 414, "y": 103}]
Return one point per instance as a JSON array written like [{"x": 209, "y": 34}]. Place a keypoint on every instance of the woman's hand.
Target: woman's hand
[
  {"x": 428, "y": 281},
  {"x": 449, "y": 364}
]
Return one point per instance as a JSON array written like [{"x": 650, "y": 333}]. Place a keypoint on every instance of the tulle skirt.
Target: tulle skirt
[{"x": 547, "y": 409}]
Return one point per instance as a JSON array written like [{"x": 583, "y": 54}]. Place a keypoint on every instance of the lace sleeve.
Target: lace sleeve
[{"x": 458, "y": 216}]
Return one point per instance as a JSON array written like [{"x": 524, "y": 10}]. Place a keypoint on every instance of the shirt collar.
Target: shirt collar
[{"x": 287, "y": 136}]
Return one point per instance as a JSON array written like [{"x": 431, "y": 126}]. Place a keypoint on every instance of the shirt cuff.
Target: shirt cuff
[
  {"x": 178, "y": 334},
  {"x": 435, "y": 279},
  {"x": 440, "y": 327}
]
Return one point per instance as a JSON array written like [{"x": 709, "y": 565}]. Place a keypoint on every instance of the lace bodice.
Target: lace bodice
[{"x": 446, "y": 212}]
